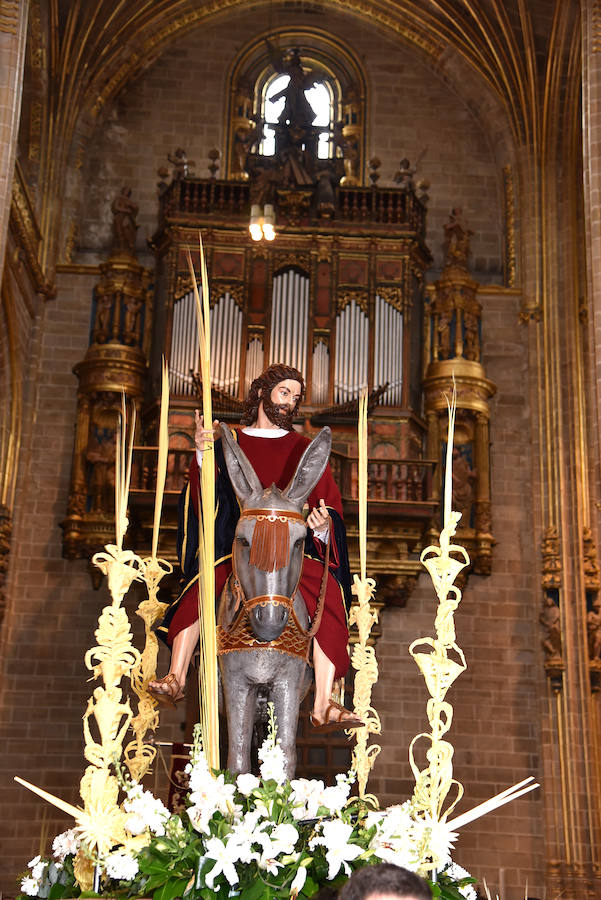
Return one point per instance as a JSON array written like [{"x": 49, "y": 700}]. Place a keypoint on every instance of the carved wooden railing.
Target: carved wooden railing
[
  {"x": 199, "y": 197},
  {"x": 391, "y": 482},
  {"x": 386, "y": 206},
  {"x": 144, "y": 470}
]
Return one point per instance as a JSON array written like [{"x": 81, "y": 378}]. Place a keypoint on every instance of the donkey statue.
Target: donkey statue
[{"x": 263, "y": 633}]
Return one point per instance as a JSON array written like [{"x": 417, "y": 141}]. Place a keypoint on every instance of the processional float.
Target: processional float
[{"x": 100, "y": 819}]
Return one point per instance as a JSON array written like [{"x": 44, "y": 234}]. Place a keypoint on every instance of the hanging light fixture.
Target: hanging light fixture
[
  {"x": 268, "y": 222},
  {"x": 262, "y": 224}
]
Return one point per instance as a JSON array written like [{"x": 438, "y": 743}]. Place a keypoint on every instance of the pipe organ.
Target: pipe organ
[
  {"x": 321, "y": 369},
  {"x": 288, "y": 341},
  {"x": 254, "y": 361},
  {"x": 339, "y": 296},
  {"x": 289, "y": 319},
  {"x": 226, "y": 334},
  {"x": 352, "y": 352},
  {"x": 388, "y": 351}
]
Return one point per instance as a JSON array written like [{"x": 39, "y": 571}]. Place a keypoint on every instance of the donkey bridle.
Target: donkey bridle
[{"x": 282, "y": 515}]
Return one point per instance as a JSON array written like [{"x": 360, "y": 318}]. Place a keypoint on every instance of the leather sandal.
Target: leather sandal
[
  {"x": 170, "y": 697},
  {"x": 339, "y": 724}
]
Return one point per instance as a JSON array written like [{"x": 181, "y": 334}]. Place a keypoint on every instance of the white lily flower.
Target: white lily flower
[
  {"x": 246, "y": 783},
  {"x": 222, "y": 854},
  {"x": 200, "y": 816},
  {"x": 335, "y": 834},
  {"x": 335, "y": 797},
  {"x": 244, "y": 835},
  {"x": 267, "y": 859},
  {"x": 306, "y": 797},
  {"x": 284, "y": 837},
  {"x": 273, "y": 762}
]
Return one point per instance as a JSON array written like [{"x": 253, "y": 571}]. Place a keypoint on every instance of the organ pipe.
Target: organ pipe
[
  {"x": 321, "y": 366},
  {"x": 289, "y": 319},
  {"x": 288, "y": 343},
  {"x": 388, "y": 350},
  {"x": 226, "y": 332},
  {"x": 352, "y": 349}
]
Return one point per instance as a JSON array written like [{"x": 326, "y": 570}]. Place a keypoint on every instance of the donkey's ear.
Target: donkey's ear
[
  {"x": 311, "y": 467},
  {"x": 242, "y": 475}
]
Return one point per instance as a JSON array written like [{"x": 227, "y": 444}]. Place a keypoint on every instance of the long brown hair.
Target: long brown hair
[{"x": 266, "y": 382}]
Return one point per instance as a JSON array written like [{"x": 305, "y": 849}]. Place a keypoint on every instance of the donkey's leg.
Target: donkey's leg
[
  {"x": 240, "y": 702},
  {"x": 286, "y": 696}
]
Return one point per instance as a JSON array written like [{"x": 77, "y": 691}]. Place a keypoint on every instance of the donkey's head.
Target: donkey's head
[{"x": 267, "y": 555}]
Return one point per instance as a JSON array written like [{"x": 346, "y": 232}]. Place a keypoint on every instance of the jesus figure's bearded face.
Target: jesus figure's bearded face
[{"x": 282, "y": 403}]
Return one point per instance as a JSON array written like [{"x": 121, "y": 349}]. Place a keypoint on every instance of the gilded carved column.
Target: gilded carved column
[
  {"x": 13, "y": 34},
  {"x": 453, "y": 345},
  {"x": 115, "y": 363}
]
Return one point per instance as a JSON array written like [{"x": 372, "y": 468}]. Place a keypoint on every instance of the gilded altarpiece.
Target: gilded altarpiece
[
  {"x": 115, "y": 364},
  {"x": 453, "y": 340}
]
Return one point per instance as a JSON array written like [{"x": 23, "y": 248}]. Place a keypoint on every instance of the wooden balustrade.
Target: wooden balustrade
[
  {"x": 390, "y": 481},
  {"x": 201, "y": 197}
]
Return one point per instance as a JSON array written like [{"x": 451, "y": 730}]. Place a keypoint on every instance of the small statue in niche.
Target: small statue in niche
[
  {"x": 443, "y": 327},
  {"x": 457, "y": 240},
  {"x": 125, "y": 227},
  {"x": 133, "y": 307},
  {"x": 104, "y": 312},
  {"x": 297, "y": 111},
  {"x": 590, "y": 565},
  {"x": 471, "y": 341},
  {"x": 101, "y": 457},
  {"x": 593, "y": 627},
  {"x": 181, "y": 164},
  {"x": 550, "y": 619},
  {"x": 550, "y": 558},
  {"x": 464, "y": 480}
]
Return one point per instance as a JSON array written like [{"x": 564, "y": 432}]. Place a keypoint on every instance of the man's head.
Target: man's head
[
  {"x": 280, "y": 390},
  {"x": 385, "y": 882}
]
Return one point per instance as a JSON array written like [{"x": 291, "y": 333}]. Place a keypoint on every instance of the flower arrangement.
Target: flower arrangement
[{"x": 251, "y": 837}]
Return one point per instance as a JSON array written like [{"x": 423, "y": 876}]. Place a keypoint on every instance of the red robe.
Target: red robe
[{"x": 275, "y": 461}]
